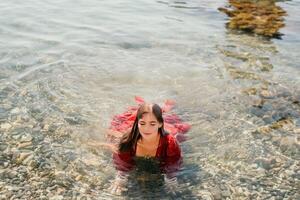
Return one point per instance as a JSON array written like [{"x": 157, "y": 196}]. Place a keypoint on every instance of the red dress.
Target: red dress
[{"x": 168, "y": 154}]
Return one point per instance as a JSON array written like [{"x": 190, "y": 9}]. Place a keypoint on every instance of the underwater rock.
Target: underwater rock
[
  {"x": 205, "y": 195},
  {"x": 22, "y": 157},
  {"x": 285, "y": 124},
  {"x": 15, "y": 111},
  {"x": 3, "y": 115},
  {"x": 266, "y": 94},
  {"x": 290, "y": 147},
  {"x": 266, "y": 164},
  {"x": 74, "y": 119},
  {"x": 216, "y": 193},
  {"x": 26, "y": 137},
  {"x": 250, "y": 91},
  {"x": 264, "y": 130},
  {"x": 239, "y": 74},
  {"x": 25, "y": 145},
  {"x": 260, "y": 17},
  {"x": 288, "y": 141},
  {"x": 6, "y": 126}
]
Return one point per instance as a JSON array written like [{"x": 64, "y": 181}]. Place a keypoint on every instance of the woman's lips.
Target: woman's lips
[{"x": 147, "y": 133}]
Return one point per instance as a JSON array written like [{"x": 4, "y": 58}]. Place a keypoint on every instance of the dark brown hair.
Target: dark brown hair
[{"x": 129, "y": 140}]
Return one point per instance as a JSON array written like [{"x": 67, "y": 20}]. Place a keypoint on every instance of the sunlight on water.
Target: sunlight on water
[{"x": 67, "y": 67}]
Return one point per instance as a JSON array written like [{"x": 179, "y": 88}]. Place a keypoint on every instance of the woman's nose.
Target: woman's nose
[{"x": 147, "y": 128}]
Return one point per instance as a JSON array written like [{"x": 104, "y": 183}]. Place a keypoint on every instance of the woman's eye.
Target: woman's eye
[{"x": 153, "y": 124}]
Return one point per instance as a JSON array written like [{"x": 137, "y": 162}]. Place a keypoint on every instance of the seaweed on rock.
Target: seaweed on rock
[{"x": 260, "y": 17}]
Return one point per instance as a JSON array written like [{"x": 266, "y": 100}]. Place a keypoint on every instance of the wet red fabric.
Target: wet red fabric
[{"x": 168, "y": 153}]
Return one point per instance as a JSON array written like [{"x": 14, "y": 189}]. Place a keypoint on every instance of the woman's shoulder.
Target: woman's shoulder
[
  {"x": 170, "y": 139},
  {"x": 124, "y": 156},
  {"x": 172, "y": 145},
  {"x": 123, "y": 161}
]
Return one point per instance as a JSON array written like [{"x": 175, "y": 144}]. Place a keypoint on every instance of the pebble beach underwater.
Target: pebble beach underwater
[{"x": 232, "y": 67}]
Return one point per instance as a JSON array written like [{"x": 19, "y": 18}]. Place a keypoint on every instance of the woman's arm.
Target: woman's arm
[
  {"x": 124, "y": 164},
  {"x": 173, "y": 161},
  {"x": 109, "y": 146}
]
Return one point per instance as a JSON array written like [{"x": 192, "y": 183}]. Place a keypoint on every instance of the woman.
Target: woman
[{"x": 147, "y": 139}]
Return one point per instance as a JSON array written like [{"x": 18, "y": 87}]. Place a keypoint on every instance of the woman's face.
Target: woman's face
[{"x": 148, "y": 126}]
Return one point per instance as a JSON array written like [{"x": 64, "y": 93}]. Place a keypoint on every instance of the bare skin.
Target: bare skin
[
  {"x": 112, "y": 136},
  {"x": 147, "y": 149},
  {"x": 108, "y": 146},
  {"x": 148, "y": 127}
]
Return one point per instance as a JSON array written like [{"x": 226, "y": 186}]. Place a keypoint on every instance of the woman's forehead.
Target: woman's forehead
[{"x": 148, "y": 117}]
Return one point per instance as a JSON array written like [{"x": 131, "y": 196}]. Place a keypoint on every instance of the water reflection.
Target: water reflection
[{"x": 239, "y": 92}]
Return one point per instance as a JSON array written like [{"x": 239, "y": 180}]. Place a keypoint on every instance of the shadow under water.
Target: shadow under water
[{"x": 147, "y": 182}]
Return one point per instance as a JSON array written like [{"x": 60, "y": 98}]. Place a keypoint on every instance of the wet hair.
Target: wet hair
[{"x": 129, "y": 140}]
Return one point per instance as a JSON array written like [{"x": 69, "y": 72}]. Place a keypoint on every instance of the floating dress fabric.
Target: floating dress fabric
[{"x": 172, "y": 123}]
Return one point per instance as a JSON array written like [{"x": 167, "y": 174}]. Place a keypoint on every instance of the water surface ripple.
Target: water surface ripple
[{"x": 68, "y": 66}]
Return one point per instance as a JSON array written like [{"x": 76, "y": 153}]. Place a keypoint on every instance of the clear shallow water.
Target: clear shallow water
[{"x": 68, "y": 66}]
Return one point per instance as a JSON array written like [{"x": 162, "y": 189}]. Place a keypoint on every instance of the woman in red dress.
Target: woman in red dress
[{"x": 146, "y": 138}]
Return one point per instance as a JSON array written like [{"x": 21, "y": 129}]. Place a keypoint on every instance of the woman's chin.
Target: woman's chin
[{"x": 148, "y": 135}]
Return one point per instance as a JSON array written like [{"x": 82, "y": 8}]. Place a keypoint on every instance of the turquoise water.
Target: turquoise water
[{"x": 68, "y": 66}]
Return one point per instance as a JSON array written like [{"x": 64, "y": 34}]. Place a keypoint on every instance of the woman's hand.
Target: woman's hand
[
  {"x": 119, "y": 184},
  {"x": 171, "y": 185}
]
